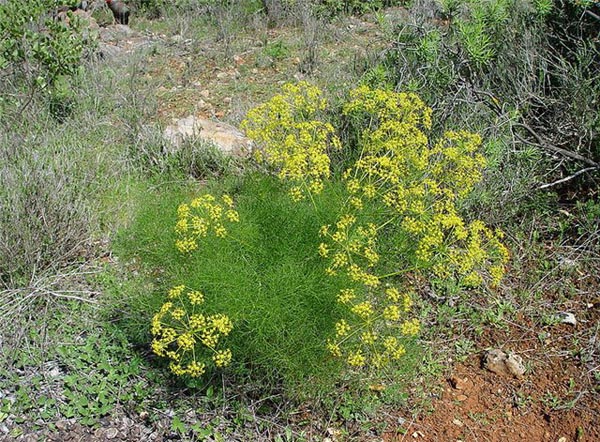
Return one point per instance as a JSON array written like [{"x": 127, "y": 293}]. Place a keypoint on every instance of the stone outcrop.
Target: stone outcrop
[{"x": 227, "y": 138}]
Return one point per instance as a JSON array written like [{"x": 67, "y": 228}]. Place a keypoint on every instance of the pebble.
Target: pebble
[
  {"x": 462, "y": 397},
  {"x": 457, "y": 422},
  {"x": 62, "y": 425},
  {"x": 460, "y": 384},
  {"x": 502, "y": 363},
  {"x": 567, "y": 318}
]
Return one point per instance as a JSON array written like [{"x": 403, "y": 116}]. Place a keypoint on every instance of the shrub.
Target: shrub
[
  {"x": 334, "y": 7},
  {"x": 290, "y": 274},
  {"x": 510, "y": 70},
  {"x": 37, "y": 49},
  {"x": 264, "y": 274},
  {"x": 45, "y": 214}
]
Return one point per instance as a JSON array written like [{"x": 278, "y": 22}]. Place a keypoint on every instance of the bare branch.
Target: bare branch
[
  {"x": 563, "y": 180},
  {"x": 542, "y": 143}
]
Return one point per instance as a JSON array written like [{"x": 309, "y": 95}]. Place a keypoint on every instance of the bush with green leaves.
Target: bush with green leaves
[
  {"x": 299, "y": 279},
  {"x": 521, "y": 73},
  {"x": 38, "y": 48}
]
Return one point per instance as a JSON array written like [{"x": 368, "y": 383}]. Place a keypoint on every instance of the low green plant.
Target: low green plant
[
  {"x": 263, "y": 272},
  {"x": 85, "y": 379},
  {"x": 39, "y": 50},
  {"x": 318, "y": 262},
  {"x": 277, "y": 50}
]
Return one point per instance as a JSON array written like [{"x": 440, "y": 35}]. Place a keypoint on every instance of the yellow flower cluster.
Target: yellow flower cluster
[
  {"x": 413, "y": 183},
  {"x": 351, "y": 248},
  {"x": 384, "y": 105},
  {"x": 201, "y": 215},
  {"x": 184, "y": 335},
  {"x": 292, "y": 140},
  {"x": 368, "y": 335},
  {"x": 420, "y": 185},
  {"x": 458, "y": 165}
]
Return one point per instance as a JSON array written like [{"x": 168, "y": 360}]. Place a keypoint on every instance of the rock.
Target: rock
[
  {"x": 115, "y": 33},
  {"x": 227, "y": 138},
  {"x": 109, "y": 51},
  {"x": 462, "y": 397},
  {"x": 457, "y": 422},
  {"x": 502, "y": 363},
  {"x": 460, "y": 384},
  {"x": 567, "y": 318},
  {"x": 111, "y": 433}
]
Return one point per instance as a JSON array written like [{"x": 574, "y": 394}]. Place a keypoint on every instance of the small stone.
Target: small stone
[
  {"x": 205, "y": 93},
  {"x": 457, "y": 422},
  {"x": 562, "y": 439},
  {"x": 515, "y": 365},
  {"x": 111, "y": 433},
  {"x": 567, "y": 318},
  {"x": 62, "y": 425},
  {"x": 460, "y": 384},
  {"x": 499, "y": 362},
  {"x": 221, "y": 75},
  {"x": 462, "y": 397}
]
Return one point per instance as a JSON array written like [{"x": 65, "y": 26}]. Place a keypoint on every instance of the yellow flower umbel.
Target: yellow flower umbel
[
  {"x": 400, "y": 179},
  {"x": 201, "y": 216},
  {"x": 419, "y": 183},
  {"x": 367, "y": 336},
  {"x": 292, "y": 139},
  {"x": 189, "y": 338}
]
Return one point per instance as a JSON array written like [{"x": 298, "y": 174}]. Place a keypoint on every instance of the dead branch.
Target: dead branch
[
  {"x": 542, "y": 143},
  {"x": 570, "y": 177}
]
